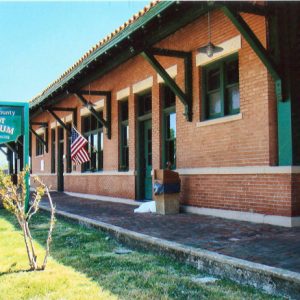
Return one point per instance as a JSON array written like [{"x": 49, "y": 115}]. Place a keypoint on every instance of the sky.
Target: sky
[{"x": 40, "y": 40}]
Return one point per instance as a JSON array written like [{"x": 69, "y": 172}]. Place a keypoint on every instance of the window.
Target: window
[
  {"x": 221, "y": 88},
  {"x": 169, "y": 128},
  {"x": 145, "y": 104},
  {"x": 53, "y": 150},
  {"x": 93, "y": 132},
  {"x": 124, "y": 136},
  {"x": 69, "y": 160},
  {"x": 39, "y": 145}
]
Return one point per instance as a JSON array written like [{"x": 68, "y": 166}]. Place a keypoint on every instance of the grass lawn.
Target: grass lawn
[{"x": 83, "y": 265}]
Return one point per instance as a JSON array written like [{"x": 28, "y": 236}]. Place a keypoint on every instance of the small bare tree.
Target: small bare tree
[{"x": 13, "y": 198}]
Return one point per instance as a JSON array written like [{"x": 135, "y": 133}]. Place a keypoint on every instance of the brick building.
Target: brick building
[{"x": 145, "y": 95}]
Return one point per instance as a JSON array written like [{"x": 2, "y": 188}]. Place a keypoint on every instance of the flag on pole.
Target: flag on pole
[{"x": 78, "y": 153}]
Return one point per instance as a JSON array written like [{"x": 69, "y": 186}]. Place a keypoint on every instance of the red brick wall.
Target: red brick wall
[
  {"x": 113, "y": 186},
  {"x": 296, "y": 194},
  {"x": 261, "y": 193},
  {"x": 49, "y": 180}
]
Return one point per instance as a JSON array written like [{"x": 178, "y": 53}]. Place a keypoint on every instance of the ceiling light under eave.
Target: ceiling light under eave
[{"x": 210, "y": 49}]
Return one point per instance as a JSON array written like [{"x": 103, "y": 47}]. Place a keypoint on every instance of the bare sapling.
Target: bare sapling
[{"x": 13, "y": 197}]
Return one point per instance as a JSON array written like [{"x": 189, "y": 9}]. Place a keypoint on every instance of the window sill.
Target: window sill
[{"x": 220, "y": 120}]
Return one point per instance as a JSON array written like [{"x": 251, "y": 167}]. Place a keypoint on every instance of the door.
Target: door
[
  {"x": 147, "y": 159},
  {"x": 60, "y": 160}
]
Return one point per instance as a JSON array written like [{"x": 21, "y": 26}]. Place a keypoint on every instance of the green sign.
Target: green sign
[
  {"x": 11, "y": 125},
  {"x": 14, "y": 122}
]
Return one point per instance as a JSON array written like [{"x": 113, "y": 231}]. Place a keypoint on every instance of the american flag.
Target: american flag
[{"x": 78, "y": 153}]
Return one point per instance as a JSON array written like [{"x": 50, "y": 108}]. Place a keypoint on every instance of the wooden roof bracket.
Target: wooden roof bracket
[
  {"x": 71, "y": 109},
  {"x": 106, "y": 123},
  {"x": 11, "y": 148},
  {"x": 58, "y": 119},
  {"x": 44, "y": 142},
  {"x": 5, "y": 153},
  {"x": 185, "y": 97},
  {"x": 257, "y": 47}
]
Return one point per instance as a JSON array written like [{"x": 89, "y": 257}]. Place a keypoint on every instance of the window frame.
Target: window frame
[
  {"x": 123, "y": 124},
  {"x": 68, "y": 144},
  {"x": 87, "y": 166},
  {"x": 167, "y": 111},
  {"x": 142, "y": 98},
  {"x": 226, "y": 107},
  {"x": 53, "y": 150},
  {"x": 39, "y": 146}
]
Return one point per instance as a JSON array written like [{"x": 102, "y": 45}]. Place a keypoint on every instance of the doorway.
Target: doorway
[
  {"x": 144, "y": 150},
  {"x": 146, "y": 158}
]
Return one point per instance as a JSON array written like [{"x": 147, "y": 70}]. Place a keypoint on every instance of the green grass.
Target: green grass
[{"x": 83, "y": 265}]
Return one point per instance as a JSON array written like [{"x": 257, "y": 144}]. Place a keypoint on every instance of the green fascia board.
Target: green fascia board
[{"x": 124, "y": 34}]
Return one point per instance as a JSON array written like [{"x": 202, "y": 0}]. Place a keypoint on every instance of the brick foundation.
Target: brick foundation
[
  {"x": 113, "y": 186},
  {"x": 262, "y": 193},
  {"x": 49, "y": 180}
]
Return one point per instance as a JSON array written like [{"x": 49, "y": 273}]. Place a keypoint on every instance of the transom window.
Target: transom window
[
  {"x": 221, "y": 88},
  {"x": 145, "y": 104},
  {"x": 93, "y": 132}
]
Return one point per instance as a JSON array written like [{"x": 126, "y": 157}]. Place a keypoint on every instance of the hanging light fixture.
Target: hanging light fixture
[{"x": 209, "y": 49}]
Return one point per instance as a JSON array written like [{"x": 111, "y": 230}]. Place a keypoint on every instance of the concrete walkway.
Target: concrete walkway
[{"x": 268, "y": 245}]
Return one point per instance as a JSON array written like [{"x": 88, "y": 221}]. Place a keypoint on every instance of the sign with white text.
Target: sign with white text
[{"x": 11, "y": 125}]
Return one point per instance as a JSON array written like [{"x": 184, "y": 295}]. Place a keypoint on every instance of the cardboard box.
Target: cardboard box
[{"x": 167, "y": 204}]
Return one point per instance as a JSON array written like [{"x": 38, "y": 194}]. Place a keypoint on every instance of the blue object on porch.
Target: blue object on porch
[{"x": 166, "y": 188}]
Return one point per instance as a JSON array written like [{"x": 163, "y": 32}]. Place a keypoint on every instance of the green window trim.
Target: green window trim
[
  {"x": 53, "y": 151},
  {"x": 144, "y": 103},
  {"x": 220, "y": 88},
  {"x": 40, "y": 148},
  {"x": 93, "y": 132},
  {"x": 124, "y": 136}
]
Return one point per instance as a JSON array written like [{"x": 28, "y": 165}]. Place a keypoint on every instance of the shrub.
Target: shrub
[{"x": 13, "y": 197}]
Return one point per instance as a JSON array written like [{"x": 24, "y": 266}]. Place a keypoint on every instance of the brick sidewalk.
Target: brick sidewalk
[{"x": 266, "y": 244}]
